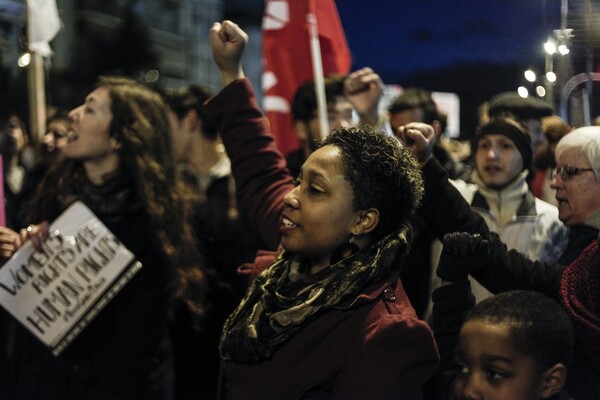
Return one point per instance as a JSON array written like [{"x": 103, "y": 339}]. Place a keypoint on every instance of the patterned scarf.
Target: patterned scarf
[
  {"x": 285, "y": 298},
  {"x": 580, "y": 295}
]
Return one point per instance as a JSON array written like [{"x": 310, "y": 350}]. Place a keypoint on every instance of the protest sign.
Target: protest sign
[{"x": 57, "y": 291}]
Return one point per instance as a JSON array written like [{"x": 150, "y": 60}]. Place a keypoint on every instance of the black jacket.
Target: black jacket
[
  {"x": 446, "y": 211},
  {"x": 124, "y": 353}
]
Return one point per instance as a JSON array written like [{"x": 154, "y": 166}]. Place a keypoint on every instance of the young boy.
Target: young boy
[{"x": 514, "y": 345}]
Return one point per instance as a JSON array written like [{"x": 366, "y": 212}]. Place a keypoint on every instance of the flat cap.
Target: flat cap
[{"x": 522, "y": 108}]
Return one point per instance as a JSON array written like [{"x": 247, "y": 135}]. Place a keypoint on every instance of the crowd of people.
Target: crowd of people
[{"x": 372, "y": 263}]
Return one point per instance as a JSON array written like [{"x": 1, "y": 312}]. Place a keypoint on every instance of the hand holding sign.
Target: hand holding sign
[
  {"x": 56, "y": 290},
  {"x": 36, "y": 233},
  {"x": 10, "y": 241}
]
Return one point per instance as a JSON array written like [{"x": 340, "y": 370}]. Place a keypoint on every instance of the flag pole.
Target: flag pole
[
  {"x": 35, "y": 89},
  {"x": 317, "y": 63}
]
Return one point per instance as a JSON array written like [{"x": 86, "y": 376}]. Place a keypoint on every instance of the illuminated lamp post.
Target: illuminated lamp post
[
  {"x": 531, "y": 77},
  {"x": 550, "y": 77}
]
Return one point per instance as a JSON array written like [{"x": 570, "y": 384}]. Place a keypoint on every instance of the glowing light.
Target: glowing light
[
  {"x": 540, "y": 91},
  {"x": 550, "y": 47},
  {"x": 24, "y": 60},
  {"x": 152, "y": 75},
  {"x": 523, "y": 92},
  {"x": 530, "y": 75},
  {"x": 551, "y": 76},
  {"x": 563, "y": 49}
]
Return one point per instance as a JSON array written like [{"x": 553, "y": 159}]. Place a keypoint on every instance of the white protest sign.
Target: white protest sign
[{"x": 56, "y": 292}]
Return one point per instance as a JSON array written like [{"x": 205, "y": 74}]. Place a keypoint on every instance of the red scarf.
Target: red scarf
[{"x": 580, "y": 295}]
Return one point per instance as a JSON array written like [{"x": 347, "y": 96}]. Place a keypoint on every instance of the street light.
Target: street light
[
  {"x": 563, "y": 49},
  {"x": 563, "y": 35},
  {"x": 24, "y": 60},
  {"x": 523, "y": 92},
  {"x": 550, "y": 47},
  {"x": 530, "y": 75},
  {"x": 540, "y": 91}
]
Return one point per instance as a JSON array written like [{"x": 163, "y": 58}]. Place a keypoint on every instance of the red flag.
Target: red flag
[{"x": 287, "y": 58}]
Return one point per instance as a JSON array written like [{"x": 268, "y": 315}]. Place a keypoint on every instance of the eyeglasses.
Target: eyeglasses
[{"x": 567, "y": 172}]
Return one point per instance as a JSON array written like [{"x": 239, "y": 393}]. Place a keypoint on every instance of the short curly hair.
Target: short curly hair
[
  {"x": 540, "y": 327},
  {"x": 382, "y": 173}
]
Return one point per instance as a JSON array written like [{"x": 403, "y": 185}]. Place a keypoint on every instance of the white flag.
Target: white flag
[{"x": 44, "y": 24}]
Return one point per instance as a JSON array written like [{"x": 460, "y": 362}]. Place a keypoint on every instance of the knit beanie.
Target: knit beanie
[{"x": 520, "y": 138}]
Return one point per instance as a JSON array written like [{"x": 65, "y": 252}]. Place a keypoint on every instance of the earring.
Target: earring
[{"x": 344, "y": 251}]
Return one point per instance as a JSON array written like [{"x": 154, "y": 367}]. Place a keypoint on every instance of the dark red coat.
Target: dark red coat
[{"x": 372, "y": 348}]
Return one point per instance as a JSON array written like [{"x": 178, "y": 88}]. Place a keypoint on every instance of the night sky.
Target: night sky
[
  {"x": 474, "y": 48},
  {"x": 397, "y": 37}
]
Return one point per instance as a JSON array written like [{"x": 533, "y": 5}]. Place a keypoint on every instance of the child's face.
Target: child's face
[{"x": 490, "y": 368}]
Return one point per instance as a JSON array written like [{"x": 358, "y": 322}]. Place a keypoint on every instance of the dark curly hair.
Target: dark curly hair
[
  {"x": 383, "y": 175},
  {"x": 139, "y": 123}
]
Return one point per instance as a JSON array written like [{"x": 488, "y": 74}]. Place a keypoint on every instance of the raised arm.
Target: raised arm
[
  {"x": 363, "y": 89},
  {"x": 259, "y": 169},
  {"x": 228, "y": 41},
  {"x": 443, "y": 207},
  {"x": 446, "y": 211}
]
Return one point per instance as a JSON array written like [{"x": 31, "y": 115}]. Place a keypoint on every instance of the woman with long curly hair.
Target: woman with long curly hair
[{"x": 118, "y": 162}]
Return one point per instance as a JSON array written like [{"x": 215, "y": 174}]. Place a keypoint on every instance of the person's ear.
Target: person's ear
[
  {"x": 301, "y": 129},
  {"x": 553, "y": 380},
  {"x": 191, "y": 120},
  {"x": 437, "y": 129},
  {"x": 367, "y": 221},
  {"x": 114, "y": 143}
]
